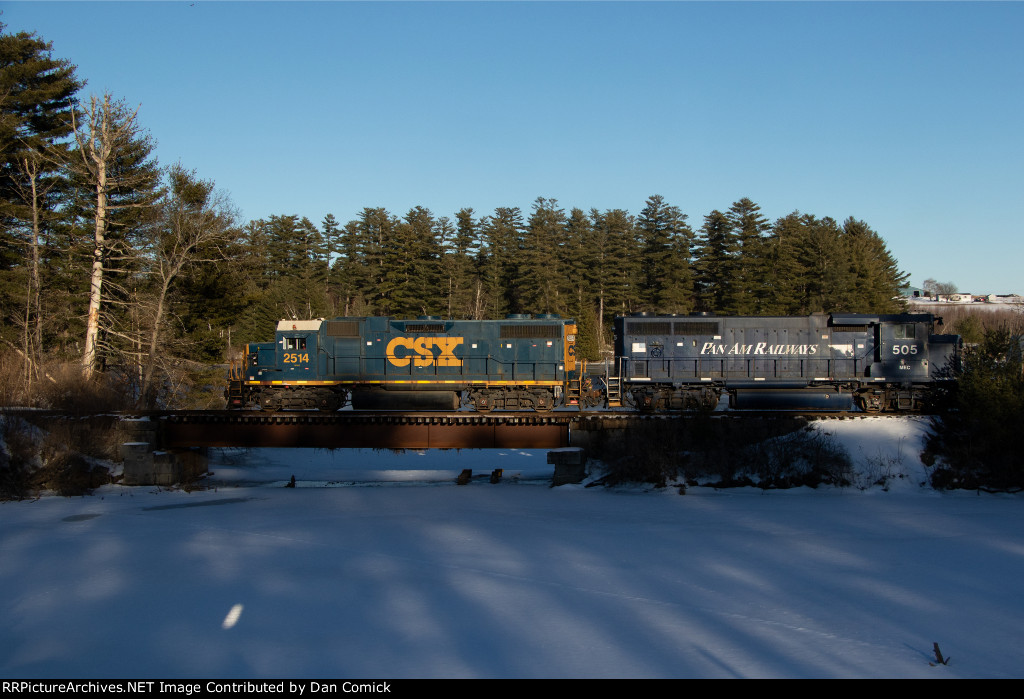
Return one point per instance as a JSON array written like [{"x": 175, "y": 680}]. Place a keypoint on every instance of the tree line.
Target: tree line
[{"x": 117, "y": 264}]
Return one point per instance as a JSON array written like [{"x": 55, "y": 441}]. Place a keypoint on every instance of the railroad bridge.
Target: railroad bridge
[
  {"x": 170, "y": 443},
  {"x": 367, "y": 429},
  {"x": 163, "y": 445},
  {"x": 402, "y": 430}
]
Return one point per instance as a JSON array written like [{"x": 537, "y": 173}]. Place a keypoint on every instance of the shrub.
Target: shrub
[
  {"x": 65, "y": 470},
  {"x": 12, "y": 380},
  {"x": 648, "y": 452},
  {"x": 809, "y": 457},
  {"x": 18, "y": 458},
  {"x": 59, "y": 456},
  {"x": 978, "y": 439},
  {"x": 737, "y": 451},
  {"x": 66, "y": 388}
]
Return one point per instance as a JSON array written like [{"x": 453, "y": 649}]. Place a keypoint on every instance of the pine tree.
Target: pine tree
[
  {"x": 582, "y": 273},
  {"x": 378, "y": 250},
  {"x": 36, "y": 97},
  {"x": 618, "y": 257},
  {"x": 464, "y": 285},
  {"x": 783, "y": 276},
  {"x": 312, "y": 277},
  {"x": 542, "y": 279},
  {"x": 579, "y": 257},
  {"x": 284, "y": 245},
  {"x": 416, "y": 269},
  {"x": 716, "y": 265},
  {"x": 251, "y": 261},
  {"x": 331, "y": 235},
  {"x": 875, "y": 278},
  {"x": 503, "y": 242},
  {"x": 667, "y": 281},
  {"x": 750, "y": 268},
  {"x": 820, "y": 254}
]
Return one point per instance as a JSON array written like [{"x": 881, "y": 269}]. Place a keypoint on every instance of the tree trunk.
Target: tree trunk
[
  {"x": 92, "y": 328},
  {"x": 32, "y": 339},
  {"x": 154, "y": 337}
]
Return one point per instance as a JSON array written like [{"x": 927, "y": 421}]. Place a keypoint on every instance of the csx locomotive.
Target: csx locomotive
[
  {"x": 822, "y": 361},
  {"x": 520, "y": 363}
]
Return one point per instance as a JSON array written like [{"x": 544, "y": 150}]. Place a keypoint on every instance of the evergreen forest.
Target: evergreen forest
[{"x": 116, "y": 266}]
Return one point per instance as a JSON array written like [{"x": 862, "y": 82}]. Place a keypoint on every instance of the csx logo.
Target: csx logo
[{"x": 402, "y": 350}]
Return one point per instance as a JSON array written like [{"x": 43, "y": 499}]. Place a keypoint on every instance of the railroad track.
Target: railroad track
[
  {"x": 395, "y": 417},
  {"x": 474, "y": 417}
]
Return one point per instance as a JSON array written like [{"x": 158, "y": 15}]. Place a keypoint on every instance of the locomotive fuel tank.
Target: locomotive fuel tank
[
  {"x": 791, "y": 399},
  {"x": 381, "y": 399}
]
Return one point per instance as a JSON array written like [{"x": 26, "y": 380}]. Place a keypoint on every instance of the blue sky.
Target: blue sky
[{"x": 906, "y": 115}]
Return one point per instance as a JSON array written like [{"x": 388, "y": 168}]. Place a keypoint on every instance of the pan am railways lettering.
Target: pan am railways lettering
[{"x": 759, "y": 348}]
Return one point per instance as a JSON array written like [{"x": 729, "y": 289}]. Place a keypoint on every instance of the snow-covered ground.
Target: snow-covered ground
[{"x": 409, "y": 575}]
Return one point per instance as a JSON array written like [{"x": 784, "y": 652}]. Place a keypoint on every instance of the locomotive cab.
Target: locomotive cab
[
  {"x": 901, "y": 351},
  {"x": 297, "y": 347}
]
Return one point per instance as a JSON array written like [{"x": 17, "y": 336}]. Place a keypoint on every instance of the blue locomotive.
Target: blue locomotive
[
  {"x": 822, "y": 361},
  {"x": 521, "y": 363}
]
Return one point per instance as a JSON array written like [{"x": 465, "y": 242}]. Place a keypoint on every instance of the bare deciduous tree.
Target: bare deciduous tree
[
  {"x": 937, "y": 289},
  {"x": 195, "y": 223},
  {"x": 113, "y": 154}
]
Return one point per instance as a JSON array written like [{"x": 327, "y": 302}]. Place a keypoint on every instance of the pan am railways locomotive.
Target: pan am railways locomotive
[
  {"x": 831, "y": 362},
  {"x": 429, "y": 363}
]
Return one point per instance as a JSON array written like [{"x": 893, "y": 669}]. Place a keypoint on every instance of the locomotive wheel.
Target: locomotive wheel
[
  {"x": 709, "y": 400},
  {"x": 481, "y": 402},
  {"x": 269, "y": 401},
  {"x": 328, "y": 404},
  {"x": 644, "y": 400},
  {"x": 869, "y": 404},
  {"x": 543, "y": 401}
]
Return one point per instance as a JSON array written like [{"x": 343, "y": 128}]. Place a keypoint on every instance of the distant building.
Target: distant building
[{"x": 921, "y": 299}]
